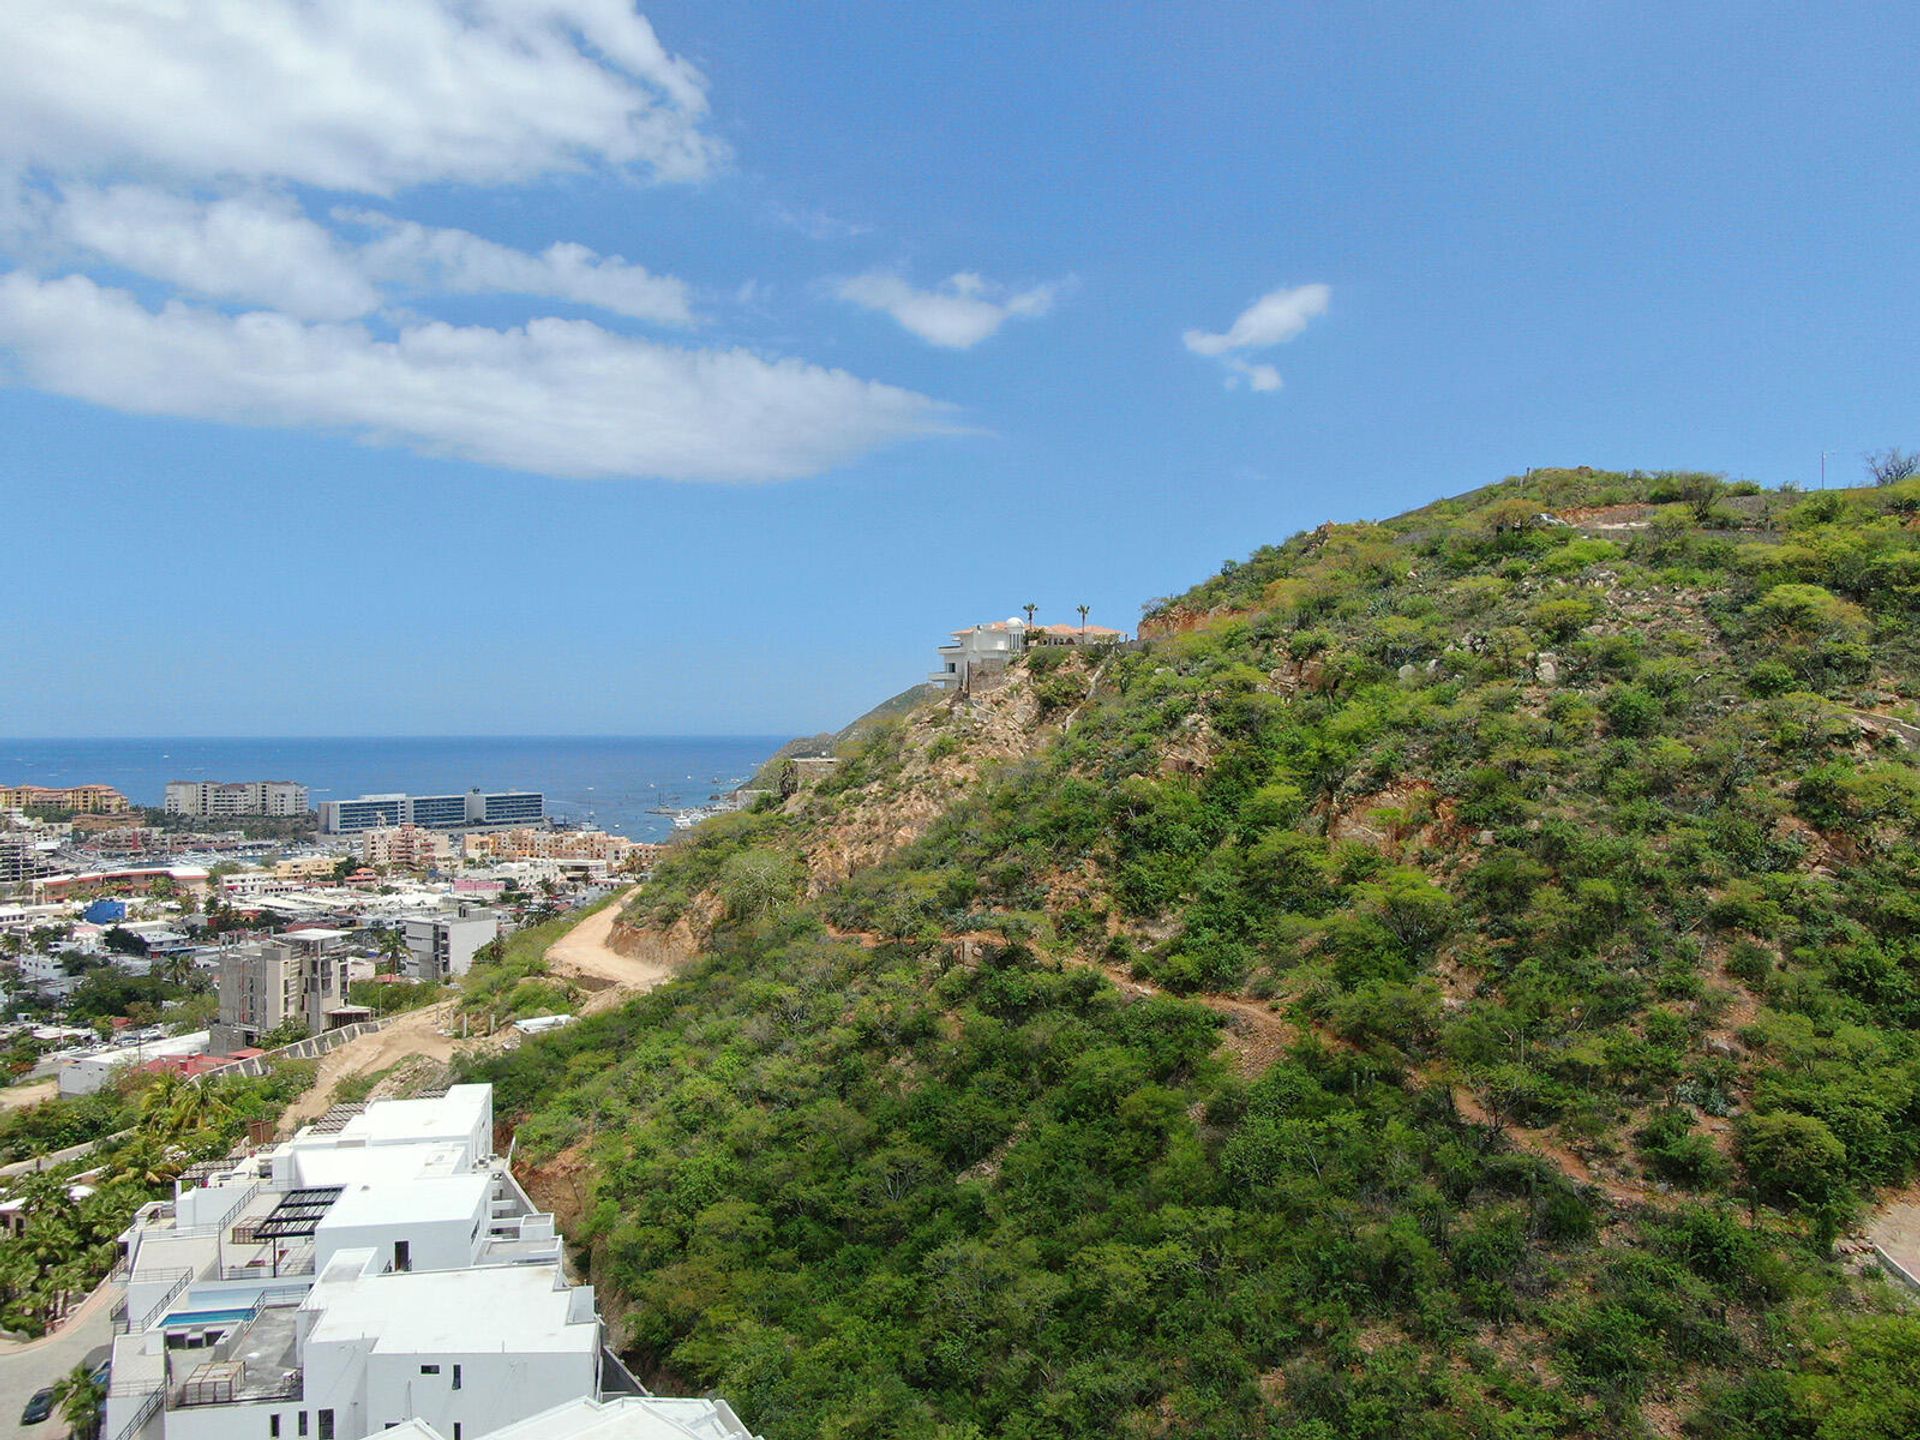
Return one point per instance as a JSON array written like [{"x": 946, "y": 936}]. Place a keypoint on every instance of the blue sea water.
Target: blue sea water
[{"x": 611, "y": 781}]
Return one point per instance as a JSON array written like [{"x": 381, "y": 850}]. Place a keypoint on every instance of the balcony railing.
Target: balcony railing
[{"x": 181, "y": 1280}]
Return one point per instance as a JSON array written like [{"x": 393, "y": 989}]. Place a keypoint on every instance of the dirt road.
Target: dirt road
[
  {"x": 584, "y": 955},
  {"x": 16, "y": 1097}
]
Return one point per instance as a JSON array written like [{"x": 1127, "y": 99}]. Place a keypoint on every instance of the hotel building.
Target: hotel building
[{"x": 475, "y": 810}]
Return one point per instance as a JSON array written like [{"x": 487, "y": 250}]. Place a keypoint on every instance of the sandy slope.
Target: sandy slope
[{"x": 585, "y": 955}]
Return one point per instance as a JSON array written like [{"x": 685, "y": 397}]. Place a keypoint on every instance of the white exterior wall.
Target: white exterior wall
[
  {"x": 495, "y": 1389},
  {"x": 444, "y": 1242},
  {"x": 444, "y": 946}
]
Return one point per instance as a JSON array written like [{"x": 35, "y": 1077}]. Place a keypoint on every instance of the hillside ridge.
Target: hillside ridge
[{"x": 1456, "y": 977}]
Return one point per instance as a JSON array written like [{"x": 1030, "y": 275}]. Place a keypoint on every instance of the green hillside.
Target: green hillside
[{"x": 1457, "y": 978}]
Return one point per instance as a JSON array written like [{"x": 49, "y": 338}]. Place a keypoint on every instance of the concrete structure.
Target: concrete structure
[
  {"x": 301, "y": 976},
  {"x": 441, "y": 946},
  {"x": 81, "y": 799},
  {"x": 624, "y": 1417},
  {"x": 217, "y": 798},
  {"x": 979, "y": 650},
  {"x": 24, "y": 857},
  {"x": 473, "y": 811},
  {"x": 406, "y": 847},
  {"x": 381, "y": 1270},
  {"x": 84, "y": 1074}
]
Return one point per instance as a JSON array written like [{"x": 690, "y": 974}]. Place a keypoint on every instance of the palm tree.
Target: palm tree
[
  {"x": 157, "y": 1102},
  {"x": 147, "y": 1161},
  {"x": 1083, "y": 616},
  {"x": 81, "y": 1399},
  {"x": 194, "y": 1108},
  {"x": 1030, "y": 608},
  {"x": 393, "y": 944}
]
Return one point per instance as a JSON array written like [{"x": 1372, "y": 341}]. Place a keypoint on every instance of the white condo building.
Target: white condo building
[
  {"x": 217, "y": 798},
  {"x": 381, "y": 1269}
]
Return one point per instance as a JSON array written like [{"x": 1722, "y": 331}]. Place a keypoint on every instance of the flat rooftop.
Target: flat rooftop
[
  {"x": 456, "y": 1116},
  {"x": 452, "y": 1312},
  {"x": 417, "y": 1201},
  {"x": 630, "y": 1417}
]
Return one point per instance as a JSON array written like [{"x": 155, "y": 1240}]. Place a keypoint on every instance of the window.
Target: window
[
  {"x": 403, "y": 1255},
  {"x": 456, "y": 1377},
  {"x": 326, "y": 1425},
  {"x": 429, "y": 1369},
  {"x": 273, "y": 1427},
  {"x": 303, "y": 1422},
  {"x": 456, "y": 1430}
]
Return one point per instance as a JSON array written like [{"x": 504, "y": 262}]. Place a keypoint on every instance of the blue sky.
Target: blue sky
[{"x": 306, "y": 428}]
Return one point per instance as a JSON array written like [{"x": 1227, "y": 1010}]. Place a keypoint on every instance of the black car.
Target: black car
[{"x": 39, "y": 1407}]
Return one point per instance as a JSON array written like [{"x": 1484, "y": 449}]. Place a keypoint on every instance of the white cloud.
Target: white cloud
[
  {"x": 261, "y": 249},
  {"x": 361, "y": 95},
  {"x": 1258, "y": 377},
  {"x": 254, "y": 249},
  {"x": 1275, "y": 318},
  {"x": 456, "y": 262},
  {"x": 557, "y": 397},
  {"x": 957, "y": 314}
]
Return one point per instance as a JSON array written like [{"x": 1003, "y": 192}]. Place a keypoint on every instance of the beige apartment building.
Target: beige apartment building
[
  {"x": 81, "y": 799},
  {"x": 406, "y": 847},
  {"x": 530, "y": 844}
]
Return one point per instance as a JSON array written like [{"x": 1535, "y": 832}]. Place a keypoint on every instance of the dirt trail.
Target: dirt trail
[
  {"x": 1539, "y": 1143},
  {"x": 18, "y": 1097},
  {"x": 1255, "y": 1034},
  {"x": 415, "y": 1033},
  {"x": 584, "y": 955}
]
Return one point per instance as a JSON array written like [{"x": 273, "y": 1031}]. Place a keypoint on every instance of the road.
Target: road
[
  {"x": 26, "y": 1366},
  {"x": 584, "y": 955}
]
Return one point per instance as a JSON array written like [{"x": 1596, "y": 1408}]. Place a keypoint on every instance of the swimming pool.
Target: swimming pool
[{"x": 182, "y": 1318}]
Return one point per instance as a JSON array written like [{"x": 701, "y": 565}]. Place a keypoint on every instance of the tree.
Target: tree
[
  {"x": 1792, "y": 1158},
  {"x": 392, "y": 943},
  {"x": 81, "y": 1398},
  {"x": 1083, "y": 609},
  {"x": 1031, "y": 610},
  {"x": 1892, "y": 465}
]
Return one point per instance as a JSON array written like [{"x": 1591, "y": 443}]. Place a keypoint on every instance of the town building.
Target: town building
[
  {"x": 191, "y": 878},
  {"x": 81, "y": 799},
  {"x": 475, "y": 810},
  {"x": 24, "y": 856},
  {"x": 85, "y": 1074},
  {"x": 406, "y": 847},
  {"x": 301, "y": 975},
  {"x": 380, "y": 1271},
  {"x": 214, "y": 799},
  {"x": 443, "y": 945},
  {"x": 528, "y": 843}
]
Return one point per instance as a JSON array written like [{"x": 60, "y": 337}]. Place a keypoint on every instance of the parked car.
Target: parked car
[{"x": 39, "y": 1407}]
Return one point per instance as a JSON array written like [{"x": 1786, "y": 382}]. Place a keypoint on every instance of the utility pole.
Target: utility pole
[{"x": 1823, "y": 469}]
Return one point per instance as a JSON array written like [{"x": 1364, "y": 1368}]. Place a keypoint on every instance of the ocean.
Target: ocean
[{"x": 611, "y": 782}]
